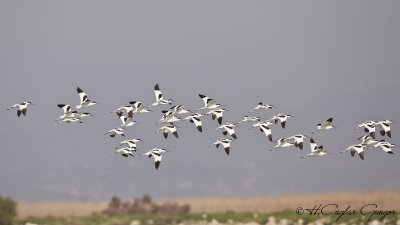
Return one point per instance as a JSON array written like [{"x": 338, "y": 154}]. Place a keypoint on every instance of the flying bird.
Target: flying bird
[
  {"x": 282, "y": 143},
  {"x": 326, "y": 126},
  {"x": 124, "y": 152},
  {"x": 139, "y": 107},
  {"x": 367, "y": 140},
  {"x": 385, "y": 127},
  {"x": 170, "y": 128},
  {"x": 171, "y": 118},
  {"x": 264, "y": 127},
  {"x": 84, "y": 100},
  {"x": 115, "y": 131},
  {"x": 217, "y": 114},
  {"x": 67, "y": 109},
  {"x": 70, "y": 120},
  {"x": 316, "y": 150},
  {"x": 209, "y": 103},
  {"x": 298, "y": 140},
  {"x": 225, "y": 142},
  {"x": 282, "y": 118},
  {"x": 228, "y": 128},
  {"x": 249, "y": 119},
  {"x": 260, "y": 106},
  {"x": 369, "y": 127},
  {"x": 196, "y": 120},
  {"x": 385, "y": 146},
  {"x": 159, "y": 97},
  {"x": 22, "y": 107},
  {"x": 359, "y": 148},
  {"x": 179, "y": 109},
  {"x": 130, "y": 142},
  {"x": 126, "y": 121},
  {"x": 75, "y": 114},
  {"x": 156, "y": 153},
  {"x": 126, "y": 108}
]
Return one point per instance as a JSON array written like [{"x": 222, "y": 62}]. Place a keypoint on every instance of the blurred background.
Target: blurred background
[{"x": 311, "y": 59}]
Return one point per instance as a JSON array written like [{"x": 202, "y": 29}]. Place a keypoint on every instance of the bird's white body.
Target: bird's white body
[
  {"x": 156, "y": 153},
  {"x": 196, "y": 120},
  {"x": 217, "y": 114},
  {"x": 326, "y": 126},
  {"x": 282, "y": 143},
  {"x": 84, "y": 100},
  {"x": 67, "y": 109},
  {"x": 126, "y": 121},
  {"x": 115, "y": 131},
  {"x": 130, "y": 142},
  {"x": 316, "y": 150},
  {"x": 209, "y": 103},
  {"x": 385, "y": 127},
  {"x": 126, "y": 109},
  {"x": 359, "y": 148},
  {"x": 282, "y": 118},
  {"x": 260, "y": 106},
  {"x": 225, "y": 142},
  {"x": 169, "y": 129},
  {"x": 249, "y": 119},
  {"x": 385, "y": 146},
  {"x": 228, "y": 128},
  {"x": 371, "y": 122},
  {"x": 159, "y": 97},
  {"x": 70, "y": 120},
  {"x": 298, "y": 140},
  {"x": 22, "y": 108},
  {"x": 171, "y": 119},
  {"x": 267, "y": 123},
  {"x": 77, "y": 115},
  {"x": 264, "y": 127},
  {"x": 367, "y": 140},
  {"x": 179, "y": 109},
  {"x": 124, "y": 151},
  {"x": 138, "y": 107}
]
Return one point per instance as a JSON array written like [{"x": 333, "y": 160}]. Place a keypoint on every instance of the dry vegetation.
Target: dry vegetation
[
  {"x": 265, "y": 204},
  {"x": 144, "y": 206},
  {"x": 385, "y": 200}
]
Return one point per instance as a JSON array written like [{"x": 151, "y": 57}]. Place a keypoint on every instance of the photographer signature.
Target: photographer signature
[{"x": 369, "y": 210}]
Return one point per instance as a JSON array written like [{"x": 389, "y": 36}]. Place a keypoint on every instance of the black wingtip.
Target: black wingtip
[
  {"x": 79, "y": 90},
  {"x": 227, "y": 150},
  {"x": 202, "y": 96},
  {"x": 157, "y": 164},
  {"x": 330, "y": 120},
  {"x": 156, "y": 87}
]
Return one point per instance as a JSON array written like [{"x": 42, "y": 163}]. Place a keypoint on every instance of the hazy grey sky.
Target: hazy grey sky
[{"x": 312, "y": 59}]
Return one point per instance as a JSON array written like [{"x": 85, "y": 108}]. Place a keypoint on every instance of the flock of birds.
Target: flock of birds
[{"x": 170, "y": 117}]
